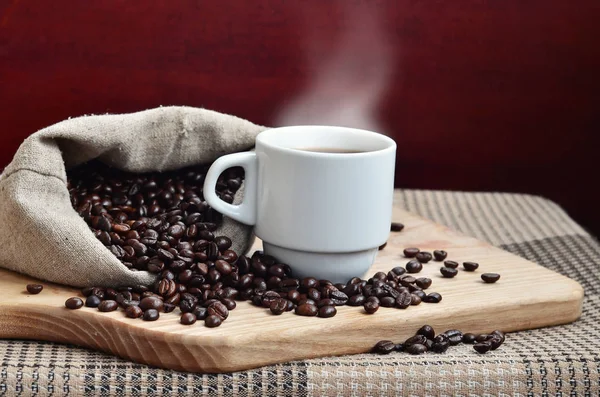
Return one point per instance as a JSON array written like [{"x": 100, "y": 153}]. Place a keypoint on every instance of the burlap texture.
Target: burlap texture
[
  {"x": 43, "y": 236},
  {"x": 555, "y": 361}
]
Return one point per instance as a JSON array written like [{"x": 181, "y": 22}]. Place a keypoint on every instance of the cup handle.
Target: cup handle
[{"x": 246, "y": 211}]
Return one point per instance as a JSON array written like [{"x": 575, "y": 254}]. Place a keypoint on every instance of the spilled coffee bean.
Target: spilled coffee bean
[
  {"x": 34, "y": 289},
  {"x": 413, "y": 266},
  {"x": 426, "y": 340},
  {"x": 482, "y": 347},
  {"x": 396, "y": 227},
  {"x": 490, "y": 278},
  {"x": 469, "y": 338},
  {"x": 423, "y": 256},
  {"x": 411, "y": 252},
  {"x": 74, "y": 303},
  {"x": 384, "y": 347},
  {"x": 448, "y": 272},
  {"x": 451, "y": 264},
  {"x": 278, "y": 306},
  {"x": 188, "y": 319},
  {"x": 213, "y": 321},
  {"x": 440, "y": 255}
]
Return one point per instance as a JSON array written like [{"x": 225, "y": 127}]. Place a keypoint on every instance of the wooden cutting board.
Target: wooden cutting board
[{"x": 527, "y": 296}]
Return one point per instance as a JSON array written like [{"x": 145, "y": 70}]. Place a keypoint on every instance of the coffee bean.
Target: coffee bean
[
  {"x": 73, "y": 303},
  {"x": 441, "y": 338},
  {"x": 168, "y": 307},
  {"x": 150, "y": 315},
  {"x": 352, "y": 289},
  {"x": 223, "y": 267},
  {"x": 427, "y": 331},
  {"x": 451, "y": 264},
  {"x": 307, "y": 309},
  {"x": 415, "y": 300},
  {"x": 327, "y": 311},
  {"x": 399, "y": 347},
  {"x": 440, "y": 343},
  {"x": 499, "y": 334},
  {"x": 382, "y": 246},
  {"x": 108, "y": 306},
  {"x": 218, "y": 309},
  {"x": 338, "y": 297},
  {"x": 387, "y": 301},
  {"x": 440, "y": 255},
  {"x": 482, "y": 347},
  {"x": 110, "y": 294},
  {"x": 433, "y": 297},
  {"x": 439, "y": 347},
  {"x": 490, "y": 278},
  {"x": 423, "y": 282},
  {"x": 414, "y": 266},
  {"x": 396, "y": 227},
  {"x": 448, "y": 272},
  {"x": 309, "y": 282},
  {"x": 411, "y": 252},
  {"x": 200, "y": 312},
  {"x": 398, "y": 271},
  {"x": 454, "y": 336},
  {"x": 134, "y": 312},
  {"x": 34, "y": 289},
  {"x": 417, "y": 339},
  {"x": 104, "y": 224},
  {"x": 415, "y": 349},
  {"x": 229, "y": 303},
  {"x": 356, "y": 300},
  {"x": 151, "y": 302},
  {"x": 269, "y": 297},
  {"x": 92, "y": 301},
  {"x": 470, "y": 266},
  {"x": 278, "y": 306},
  {"x": 384, "y": 347},
  {"x": 223, "y": 242},
  {"x": 87, "y": 291},
  {"x": 313, "y": 294},
  {"x": 187, "y": 319},
  {"x": 404, "y": 300},
  {"x": 419, "y": 293},
  {"x": 371, "y": 307},
  {"x": 424, "y": 256},
  {"x": 483, "y": 337},
  {"x": 469, "y": 338},
  {"x": 496, "y": 341}
]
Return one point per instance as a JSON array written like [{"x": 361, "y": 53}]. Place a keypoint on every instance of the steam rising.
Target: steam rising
[{"x": 348, "y": 80}]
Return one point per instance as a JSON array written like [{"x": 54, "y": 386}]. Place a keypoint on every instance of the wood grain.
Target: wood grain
[{"x": 527, "y": 296}]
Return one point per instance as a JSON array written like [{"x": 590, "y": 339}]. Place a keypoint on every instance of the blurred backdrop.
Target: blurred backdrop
[{"x": 480, "y": 95}]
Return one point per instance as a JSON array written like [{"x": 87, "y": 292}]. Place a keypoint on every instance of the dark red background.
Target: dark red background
[{"x": 480, "y": 95}]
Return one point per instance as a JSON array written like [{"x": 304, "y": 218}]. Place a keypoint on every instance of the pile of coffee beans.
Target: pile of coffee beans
[
  {"x": 160, "y": 222},
  {"x": 426, "y": 340},
  {"x": 209, "y": 291},
  {"x": 156, "y": 222}
]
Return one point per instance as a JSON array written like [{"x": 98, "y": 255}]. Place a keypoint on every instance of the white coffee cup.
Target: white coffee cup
[{"x": 324, "y": 213}]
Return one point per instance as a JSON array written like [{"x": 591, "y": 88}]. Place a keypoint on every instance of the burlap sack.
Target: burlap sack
[{"x": 40, "y": 232}]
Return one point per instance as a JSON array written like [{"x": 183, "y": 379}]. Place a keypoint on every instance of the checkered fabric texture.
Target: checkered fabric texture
[{"x": 561, "y": 360}]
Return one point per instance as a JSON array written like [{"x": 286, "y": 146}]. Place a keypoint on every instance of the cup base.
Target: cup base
[{"x": 335, "y": 267}]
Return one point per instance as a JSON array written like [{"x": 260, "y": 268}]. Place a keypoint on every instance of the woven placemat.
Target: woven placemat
[{"x": 561, "y": 360}]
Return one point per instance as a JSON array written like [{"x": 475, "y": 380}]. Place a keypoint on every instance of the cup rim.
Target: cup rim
[{"x": 263, "y": 138}]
